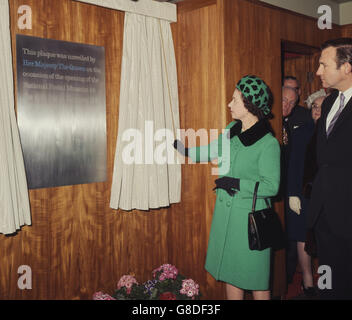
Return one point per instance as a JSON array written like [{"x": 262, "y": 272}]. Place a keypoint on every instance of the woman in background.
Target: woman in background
[
  {"x": 314, "y": 103},
  {"x": 252, "y": 154}
]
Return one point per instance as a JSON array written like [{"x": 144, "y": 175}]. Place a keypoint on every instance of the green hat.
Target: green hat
[{"x": 256, "y": 91}]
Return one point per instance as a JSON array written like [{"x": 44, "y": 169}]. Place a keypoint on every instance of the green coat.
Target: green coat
[{"x": 253, "y": 155}]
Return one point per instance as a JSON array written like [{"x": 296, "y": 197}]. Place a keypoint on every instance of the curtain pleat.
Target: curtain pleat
[
  {"x": 14, "y": 201},
  {"x": 149, "y": 106}
]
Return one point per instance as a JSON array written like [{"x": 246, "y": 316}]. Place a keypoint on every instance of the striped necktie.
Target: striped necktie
[{"x": 337, "y": 114}]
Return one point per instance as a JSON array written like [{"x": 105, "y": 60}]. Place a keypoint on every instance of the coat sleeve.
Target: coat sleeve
[
  {"x": 269, "y": 172},
  {"x": 205, "y": 153},
  {"x": 217, "y": 149}
]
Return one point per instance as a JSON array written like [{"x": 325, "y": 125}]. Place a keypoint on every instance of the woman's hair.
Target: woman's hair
[
  {"x": 252, "y": 108},
  {"x": 318, "y": 94}
]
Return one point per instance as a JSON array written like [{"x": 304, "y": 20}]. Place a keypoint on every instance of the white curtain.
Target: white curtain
[
  {"x": 148, "y": 106},
  {"x": 14, "y": 202},
  {"x": 150, "y": 8}
]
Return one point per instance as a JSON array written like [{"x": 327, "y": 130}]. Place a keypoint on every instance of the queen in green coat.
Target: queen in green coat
[{"x": 247, "y": 152}]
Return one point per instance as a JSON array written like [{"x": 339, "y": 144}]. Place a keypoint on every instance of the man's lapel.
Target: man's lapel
[
  {"x": 326, "y": 107},
  {"x": 346, "y": 112}
]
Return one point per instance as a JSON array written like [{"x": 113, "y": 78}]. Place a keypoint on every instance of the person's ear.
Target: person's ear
[{"x": 347, "y": 68}]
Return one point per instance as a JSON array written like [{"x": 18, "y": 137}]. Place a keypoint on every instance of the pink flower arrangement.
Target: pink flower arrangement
[
  {"x": 102, "y": 296},
  {"x": 166, "y": 284},
  {"x": 127, "y": 281},
  {"x": 190, "y": 288},
  {"x": 166, "y": 271}
]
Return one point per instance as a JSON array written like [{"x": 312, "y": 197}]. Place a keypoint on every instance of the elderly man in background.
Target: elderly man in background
[{"x": 292, "y": 82}]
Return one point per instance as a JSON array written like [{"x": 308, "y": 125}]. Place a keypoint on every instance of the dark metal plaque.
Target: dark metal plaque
[{"x": 61, "y": 108}]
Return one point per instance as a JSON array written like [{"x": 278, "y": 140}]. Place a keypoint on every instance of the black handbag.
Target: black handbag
[{"x": 264, "y": 227}]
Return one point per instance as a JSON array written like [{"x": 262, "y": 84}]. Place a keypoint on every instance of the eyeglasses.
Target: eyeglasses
[{"x": 315, "y": 106}]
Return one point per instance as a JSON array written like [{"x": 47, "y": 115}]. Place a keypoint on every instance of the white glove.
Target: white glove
[{"x": 295, "y": 204}]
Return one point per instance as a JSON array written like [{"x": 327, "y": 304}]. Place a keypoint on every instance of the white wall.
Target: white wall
[
  {"x": 310, "y": 7},
  {"x": 346, "y": 13}
]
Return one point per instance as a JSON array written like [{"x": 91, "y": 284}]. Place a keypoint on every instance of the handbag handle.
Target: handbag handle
[{"x": 255, "y": 197}]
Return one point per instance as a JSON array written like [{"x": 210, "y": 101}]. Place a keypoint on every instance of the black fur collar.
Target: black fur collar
[{"x": 251, "y": 135}]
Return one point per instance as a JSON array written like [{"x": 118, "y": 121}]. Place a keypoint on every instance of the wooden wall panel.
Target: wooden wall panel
[
  {"x": 77, "y": 244},
  {"x": 347, "y": 30},
  {"x": 199, "y": 54}
]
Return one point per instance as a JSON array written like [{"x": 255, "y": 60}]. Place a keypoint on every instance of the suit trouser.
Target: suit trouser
[{"x": 335, "y": 252}]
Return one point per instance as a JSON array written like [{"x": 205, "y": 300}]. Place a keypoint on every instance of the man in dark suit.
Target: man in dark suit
[
  {"x": 330, "y": 211},
  {"x": 295, "y": 120},
  {"x": 293, "y": 115}
]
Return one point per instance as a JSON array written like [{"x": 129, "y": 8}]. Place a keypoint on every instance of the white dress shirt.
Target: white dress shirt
[{"x": 335, "y": 107}]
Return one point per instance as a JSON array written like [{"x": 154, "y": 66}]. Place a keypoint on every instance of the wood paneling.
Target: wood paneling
[
  {"x": 77, "y": 244},
  {"x": 187, "y": 5},
  {"x": 199, "y": 54},
  {"x": 347, "y": 30},
  {"x": 299, "y": 67}
]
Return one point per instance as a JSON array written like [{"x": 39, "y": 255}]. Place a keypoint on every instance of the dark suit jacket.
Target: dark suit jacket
[
  {"x": 300, "y": 117},
  {"x": 332, "y": 187},
  {"x": 300, "y": 137},
  {"x": 310, "y": 164}
]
